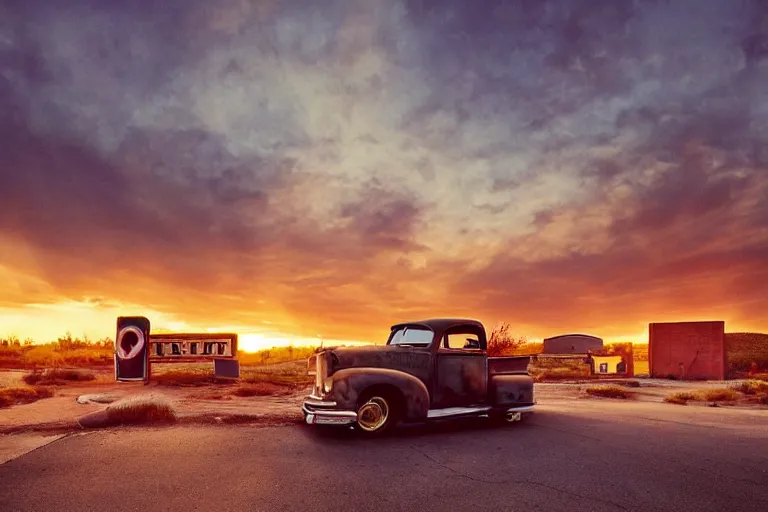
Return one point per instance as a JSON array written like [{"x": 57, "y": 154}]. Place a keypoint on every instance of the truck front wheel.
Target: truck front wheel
[{"x": 377, "y": 413}]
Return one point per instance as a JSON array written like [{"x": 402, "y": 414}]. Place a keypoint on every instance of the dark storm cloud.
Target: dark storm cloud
[{"x": 562, "y": 165}]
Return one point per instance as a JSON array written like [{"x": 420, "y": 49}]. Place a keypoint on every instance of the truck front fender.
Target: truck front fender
[{"x": 350, "y": 383}]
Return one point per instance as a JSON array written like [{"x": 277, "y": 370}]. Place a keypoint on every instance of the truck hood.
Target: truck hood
[{"x": 383, "y": 356}]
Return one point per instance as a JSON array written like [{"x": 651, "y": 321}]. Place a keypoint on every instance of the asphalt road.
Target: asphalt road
[{"x": 573, "y": 456}]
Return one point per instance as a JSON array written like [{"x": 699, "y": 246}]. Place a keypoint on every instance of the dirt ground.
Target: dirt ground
[
  {"x": 61, "y": 411},
  {"x": 210, "y": 402}
]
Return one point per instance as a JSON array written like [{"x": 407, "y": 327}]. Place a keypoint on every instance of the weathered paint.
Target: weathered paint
[
  {"x": 505, "y": 390},
  {"x": 352, "y": 383},
  {"x": 461, "y": 379},
  {"x": 425, "y": 377},
  {"x": 414, "y": 361},
  {"x": 508, "y": 364},
  {"x": 687, "y": 350}
]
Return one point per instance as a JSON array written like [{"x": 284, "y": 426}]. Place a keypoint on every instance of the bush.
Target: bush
[
  {"x": 610, "y": 392},
  {"x": 260, "y": 389},
  {"x": 57, "y": 376},
  {"x": 141, "y": 409},
  {"x": 185, "y": 378},
  {"x": 502, "y": 343},
  {"x": 751, "y": 387},
  {"x": 721, "y": 395},
  {"x": 22, "y": 395},
  {"x": 747, "y": 351},
  {"x": 681, "y": 398}
]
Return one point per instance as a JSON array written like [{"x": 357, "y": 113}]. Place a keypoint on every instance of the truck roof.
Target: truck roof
[{"x": 440, "y": 324}]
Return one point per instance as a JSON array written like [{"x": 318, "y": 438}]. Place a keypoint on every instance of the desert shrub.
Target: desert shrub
[
  {"x": 260, "y": 389},
  {"x": 544, "y": 369},
  {"x": 22, "y": 395},
  {"x": 721, "y": 395},
  {"x": 141, "y": 409},
  {"x": 502, "y": 343},
  {"x": 275, "y": 355},
  {"x": 558, "y": 374},
  {"x": 680, "y": 398},
  {"x": 294, "y": 379},
  {"x": 57, "y": 376},
  {"x": 185, "y": 377},
  {"x": 751, "y": 387},
  {"x": 747, "y": 351},
  {"x": 609, "y": 392}
]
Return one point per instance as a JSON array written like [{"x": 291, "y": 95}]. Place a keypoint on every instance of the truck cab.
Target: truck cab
[{"x": 428, "y": 370}]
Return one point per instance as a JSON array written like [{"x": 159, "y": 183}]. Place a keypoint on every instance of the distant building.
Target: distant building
[
  {"x": 572, "y": 344},
  {"x": 608, "y": 364}
]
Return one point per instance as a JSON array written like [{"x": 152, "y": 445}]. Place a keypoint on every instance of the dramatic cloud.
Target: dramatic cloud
[{"x": 304, "y": 168}]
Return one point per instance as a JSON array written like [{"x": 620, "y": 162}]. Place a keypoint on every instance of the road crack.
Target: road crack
[{"x": 519, "y": 482}]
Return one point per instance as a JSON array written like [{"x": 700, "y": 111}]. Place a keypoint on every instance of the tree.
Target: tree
[{"x": 501, "y": 342}]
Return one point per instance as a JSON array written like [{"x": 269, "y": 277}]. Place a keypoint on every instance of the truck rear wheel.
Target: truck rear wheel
[{"x": 377, "y": 413}]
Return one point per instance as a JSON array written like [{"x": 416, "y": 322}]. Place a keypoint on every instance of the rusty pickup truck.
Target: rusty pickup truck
[{"x": 428, "y": 370}]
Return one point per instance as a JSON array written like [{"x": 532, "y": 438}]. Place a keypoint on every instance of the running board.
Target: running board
[{"x": 456, "y": 411}]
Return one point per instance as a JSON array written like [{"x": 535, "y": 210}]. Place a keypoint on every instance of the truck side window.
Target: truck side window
[{"x": 462, "y": 341}]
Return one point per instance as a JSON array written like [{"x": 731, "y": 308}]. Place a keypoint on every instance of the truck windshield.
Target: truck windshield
[{"x": 412, "y": 336}]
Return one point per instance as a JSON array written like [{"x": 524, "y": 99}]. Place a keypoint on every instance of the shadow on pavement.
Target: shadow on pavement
[{"x": 416, "y": 430}]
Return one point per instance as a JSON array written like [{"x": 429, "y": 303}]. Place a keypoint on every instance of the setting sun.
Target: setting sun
[{"x": 253, "y": 342}]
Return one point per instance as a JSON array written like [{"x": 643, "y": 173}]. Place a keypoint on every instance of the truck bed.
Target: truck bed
[{"x": 508, "y": 365}]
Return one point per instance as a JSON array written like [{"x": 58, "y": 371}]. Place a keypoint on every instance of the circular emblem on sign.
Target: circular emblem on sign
[{"x": 130, "y": 341}]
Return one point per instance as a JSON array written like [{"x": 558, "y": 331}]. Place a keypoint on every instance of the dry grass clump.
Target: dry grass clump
[
  {"x": 22, "y": 395},
  {"x": 680, "y": 398},
  {"x": 185, "y": 378},
  {"x": 721, "y": 395},
  {"x": 747, "y": 352},
  {"x": 609, "y": 392},
  {"x": 260, "y": 389},
  {"x": 292, "y": 379},
  {"x": 141, "y": 410},
  {"x": 751, "y": 387},
  {"x": 753, "y": 391},
  {"x": 57, "y": 377}
]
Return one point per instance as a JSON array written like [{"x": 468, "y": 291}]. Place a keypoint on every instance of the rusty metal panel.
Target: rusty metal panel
[
  {"x": 508, "y": 364},
  {"x": 350, "y": 384},
  {"x": 413, "y": 361},
  {"x": 131, "y": 347},
  {"x": 507, "y": 390},
  {"x": 192, "y": 347},
  {"x": 226, "y": 368},
  {"x": 461, "y": 379},
  {"x": 687, "y": 350}
]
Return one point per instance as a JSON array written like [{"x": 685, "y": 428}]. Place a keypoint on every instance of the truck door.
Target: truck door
[{"x": 461, "y": 373}]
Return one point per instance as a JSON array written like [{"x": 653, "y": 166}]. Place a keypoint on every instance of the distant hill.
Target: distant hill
[{"x": 745, "y": 348}]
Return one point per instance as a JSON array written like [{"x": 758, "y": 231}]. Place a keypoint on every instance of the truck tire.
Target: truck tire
[{"x": 378, "y": 412}]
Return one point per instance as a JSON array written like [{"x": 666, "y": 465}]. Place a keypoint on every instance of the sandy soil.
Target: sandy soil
[{"x": 61, "y": 411}]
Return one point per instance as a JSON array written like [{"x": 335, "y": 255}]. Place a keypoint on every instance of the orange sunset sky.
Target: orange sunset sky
[{"x": 288, "y": 170}]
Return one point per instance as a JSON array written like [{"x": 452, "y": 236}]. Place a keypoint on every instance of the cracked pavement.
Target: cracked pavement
[{"x": 573, "y": 455}]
